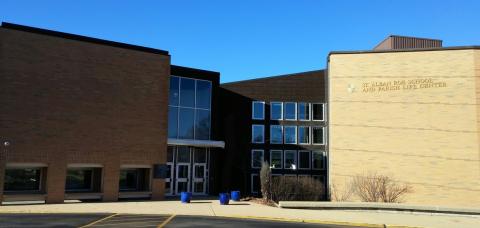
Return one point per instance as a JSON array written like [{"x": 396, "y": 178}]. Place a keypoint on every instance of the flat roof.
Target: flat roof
[
  {"x": 406, "y": 50},
  {"x": 276, "y": 76},
  {"x": 81, "y": 38}
]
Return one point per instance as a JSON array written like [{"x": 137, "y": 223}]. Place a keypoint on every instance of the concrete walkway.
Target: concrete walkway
[{"x": 252, "y": 210}]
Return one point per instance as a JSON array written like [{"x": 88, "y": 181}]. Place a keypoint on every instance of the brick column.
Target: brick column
[
  {"x": 56, "y": 176},
  {"x": 111, "y": 177},
  {"x": 158, "y": 189}
]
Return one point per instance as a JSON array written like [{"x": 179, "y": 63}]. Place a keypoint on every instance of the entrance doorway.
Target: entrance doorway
[{"x": 188, "y": 170}]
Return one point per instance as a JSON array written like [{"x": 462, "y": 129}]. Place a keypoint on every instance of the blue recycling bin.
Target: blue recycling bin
[
  {"x": 185, "y": 197},
  {"x": 235, "y": 195},
  {"x": 224, "y": 199}
]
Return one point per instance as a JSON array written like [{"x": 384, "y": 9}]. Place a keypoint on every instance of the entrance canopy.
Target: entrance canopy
[{"x": 196, "y": 143}]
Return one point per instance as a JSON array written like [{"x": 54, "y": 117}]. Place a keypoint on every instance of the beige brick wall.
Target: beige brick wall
[{"x": 428, "y": 137}]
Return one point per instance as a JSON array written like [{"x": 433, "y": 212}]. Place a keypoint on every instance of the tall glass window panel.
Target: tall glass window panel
[
  {"x": 187, "y": 92},
  {"x": 290, "y": 134},
  {"x": 27, "y": 179},
  {"x": 258, "y": 110},
  {"x": 303, "y": 135},
  {"x": 257, "y": 158},
  {"x": 290, "y": 111},
  {"x": 186, "y": 123},
  {"x": 304, "y": 159},
  {"x": 276, "y": 134},
  {"x": 318, "y": 135},
  {"x": 303, "y": 111},
  {"x": 204, "y": 93},
  {"x": 290, "y": 158},
  {"x": 318, "y": 160},
  {"x": 183, "y": 154},
  {"x": 172, "y": 122},
  {"x": 276, "y": 159},
  {"x": 257, "y": 134},
  {"x": 276, "y": 110},
  {"x": 174, "y": 94},
  {"x": 202, "y": 124},
  {"x": 318, "y": 112},
  {"x": 255, "y": 183}
]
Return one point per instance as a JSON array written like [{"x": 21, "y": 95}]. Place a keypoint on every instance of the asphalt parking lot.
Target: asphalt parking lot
[{"x": 130, "y": 220}]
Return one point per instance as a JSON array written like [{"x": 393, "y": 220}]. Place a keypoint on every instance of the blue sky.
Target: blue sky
[{"x": 252, "y": 38}]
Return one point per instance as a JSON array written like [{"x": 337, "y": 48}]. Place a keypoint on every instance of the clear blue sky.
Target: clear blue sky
[{"x": 252, "y": 38}]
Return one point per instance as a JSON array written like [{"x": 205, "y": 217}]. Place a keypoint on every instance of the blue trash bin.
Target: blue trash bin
[
  {"x": 185, "y": 197},
  {"x": 235, "y": 195},
  {"x": 224, "y": 199}
]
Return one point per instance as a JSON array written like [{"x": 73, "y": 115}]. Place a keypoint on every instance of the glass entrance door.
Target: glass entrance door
[
  {"x": 182, "y": 180},
  {"x": 199, "y": 179}
]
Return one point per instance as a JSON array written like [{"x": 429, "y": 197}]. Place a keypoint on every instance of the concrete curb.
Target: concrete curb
[{"x": 376, "y": 206}]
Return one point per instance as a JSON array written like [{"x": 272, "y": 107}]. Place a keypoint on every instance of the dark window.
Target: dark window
[
  {"x": 22, "y": 179},
  {"x": 276, "y": 159},
  {"x": 202, "y": 124},
  {"x": 174, "y": 93},
  {"x": 290, "y": 111},
  {"x": 276, "y": 134},
  {"x": 255, "y": 183},
  {"x": 170, "y": 152},
  {"x": 304, "y": 159},
  {"x": 186, "y": 123},
  {"x": 258, "y": 110},
  {"x": 79, "y": 180},
  {"x": 187, "y": 92},
  {"x": 303, "y": 135},
  {"x": 290, "y": 158},
  {"x": 183, "y": 154},
  {"x": 204, "y": 91},
  {"x": 318, "y": 160},
  {"x": 276, "y": 110},
  {"x": 318, "y": 135},
  {"x": 128, "y": 179},
  {"x": 303, "y": 111},
  {"x": 200, "y": 155},
  {"x": 317, "y": 111},
  {"x": 172, "y": 122},
  {"x": 257, "y": 158}
]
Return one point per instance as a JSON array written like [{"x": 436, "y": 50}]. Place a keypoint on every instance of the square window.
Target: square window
[
  {"x": 258, "y": 134},
  {"x": 276, "y": 110},
  {"x": 276, "y": 159},
  {"x": 290, "y": 159},
  {"x": 290, "y": 134},
  {"x": 257, "y": 158},
  {"x": 318, "y": 160},
  {"x": 276, "y": 134},
  {"x": 318, "y": 135},
  {"x": 303, "y": 135},
  {"x": 303, "y": 111},
  {"x": 318, "y": 112},
  {"x": 290, "y": 111},
  {"x": 258, "y": 110},
  {"x": 304, "y": 159}
]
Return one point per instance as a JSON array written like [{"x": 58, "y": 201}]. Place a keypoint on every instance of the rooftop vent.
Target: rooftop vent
[{"x": 404, "y": 42}]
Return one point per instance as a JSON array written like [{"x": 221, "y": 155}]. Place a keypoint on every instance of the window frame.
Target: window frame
[
  {"x": 41, "y": 180},
  {"x": 294, "y": 152},
  {"x": 284, "y": 110},
  {"x": 80, "y": 189},
  {"x": 251, "y": 183},
  {"x": 311, "y": 110},
  {"x": 324, "y": 157},
  {"x": 309, "y": 159},
  {"x": 323, "y": 135},
  {"x": 263, "y": 133},
  {"x": 309, "y": 135},
  {"x": 253, "y": 110},
  {"x": 281, "y": 129},
  {"x": 281, "y": 109},
  {"x": 281, "y": 159},
  {"x": 309, "y": 105},
  {"x": 251, "y": 158},
  {"x": 285, "y": 131}
]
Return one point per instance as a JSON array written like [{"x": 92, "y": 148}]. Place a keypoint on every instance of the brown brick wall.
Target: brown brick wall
[{"x": 66, "y": 101}]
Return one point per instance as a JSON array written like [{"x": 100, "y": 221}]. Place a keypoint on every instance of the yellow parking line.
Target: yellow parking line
[
  {"x": 165, "y": 222},
  {"x": 102, "y": 219}
]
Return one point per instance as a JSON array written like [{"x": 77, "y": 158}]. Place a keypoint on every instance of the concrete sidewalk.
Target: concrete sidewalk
[{"x": 252, "y": 210}]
